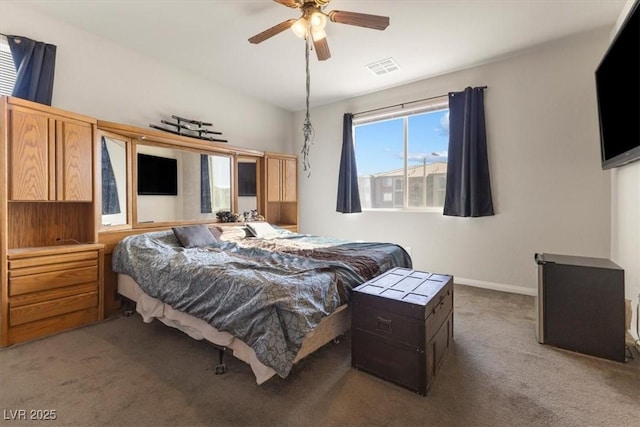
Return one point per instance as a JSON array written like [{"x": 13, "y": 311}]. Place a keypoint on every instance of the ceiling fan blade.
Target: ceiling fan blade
[
  {"x": 270, "y": 32},
  {"x": 375, "y": 22},
  {"x": 290, "y": 3},
  {"x": 322, "y": 49}
]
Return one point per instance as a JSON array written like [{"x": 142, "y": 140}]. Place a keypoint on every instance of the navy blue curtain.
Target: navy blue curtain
[
  {"x": 205, "y": 185},
  {"x": 468, "y": 184},
  {"x": 110, "y": 202},
  {"x": 348, "y": 193},
  {"x": 35, "y": 66}
]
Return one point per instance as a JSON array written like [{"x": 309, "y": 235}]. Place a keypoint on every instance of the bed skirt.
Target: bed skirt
[{"x": 331, "y": 327}]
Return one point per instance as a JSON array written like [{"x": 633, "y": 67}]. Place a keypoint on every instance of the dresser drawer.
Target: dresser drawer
[
  {"x": 42, "y": 310},
  {"x": 35, "y": 264},
  {"x": 51, "y": 325},
  {"x": 52, "y": 294},
  {"x": 54, "y": 279}
]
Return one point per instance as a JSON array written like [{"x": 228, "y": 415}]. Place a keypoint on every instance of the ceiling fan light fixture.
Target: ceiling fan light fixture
[
  {"x": 299, "y": 28},
  {"x": 318, "y": 20},
  {"x": 318, "y": 34}
]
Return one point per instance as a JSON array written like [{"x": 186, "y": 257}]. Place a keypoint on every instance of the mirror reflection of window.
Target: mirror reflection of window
[
  {"x": 114, "y": 181},
  {"x": 215, "y": 184},
  {"x": 220, "y": 168}
]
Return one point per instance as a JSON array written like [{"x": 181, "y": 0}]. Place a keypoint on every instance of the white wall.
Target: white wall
[
  {"x": 100, "y": 79},
  {"x": 625, "y": 230},
  {"x": 550, "y": 193},
  {"x": 625, "y": 219}
]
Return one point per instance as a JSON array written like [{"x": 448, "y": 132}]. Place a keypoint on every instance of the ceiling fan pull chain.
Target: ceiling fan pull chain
[{"x": 307, "y": 127}]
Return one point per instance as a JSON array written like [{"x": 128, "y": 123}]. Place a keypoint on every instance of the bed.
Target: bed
[{"x": 269, "y": 295}]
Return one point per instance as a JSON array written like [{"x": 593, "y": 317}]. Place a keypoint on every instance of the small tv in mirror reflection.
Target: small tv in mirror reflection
[
  {"x": 157, "y": 176},
  {"x": 246, "y": 179}
]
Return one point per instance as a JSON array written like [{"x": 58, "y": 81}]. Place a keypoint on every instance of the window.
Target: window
[
  {"x": 7, "y": 68},
  {"x": 401, "y": 156}
]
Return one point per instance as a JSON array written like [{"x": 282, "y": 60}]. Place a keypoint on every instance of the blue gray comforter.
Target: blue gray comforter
[{"x": 269, "y": 293}]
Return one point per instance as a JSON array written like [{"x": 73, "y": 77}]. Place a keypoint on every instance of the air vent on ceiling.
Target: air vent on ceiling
[{"x": 383, "y": 67}]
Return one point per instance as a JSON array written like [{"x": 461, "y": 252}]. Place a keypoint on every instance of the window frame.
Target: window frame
[{"x": 402, "y": 111}]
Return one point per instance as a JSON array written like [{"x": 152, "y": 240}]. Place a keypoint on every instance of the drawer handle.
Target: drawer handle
[
  {"x": 384, "y": 325},
  {"x": 440, "y": 304}
]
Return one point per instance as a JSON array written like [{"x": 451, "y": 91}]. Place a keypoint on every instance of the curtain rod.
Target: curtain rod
[{"x": 405, "y": 103}]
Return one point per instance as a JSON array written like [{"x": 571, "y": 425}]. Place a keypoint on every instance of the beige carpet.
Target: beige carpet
[{"x": 125, "y": 372}]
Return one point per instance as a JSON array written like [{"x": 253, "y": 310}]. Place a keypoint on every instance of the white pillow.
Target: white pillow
[
  {"x": 233, "y": 232},
  {"x": 263, "y": 230}
]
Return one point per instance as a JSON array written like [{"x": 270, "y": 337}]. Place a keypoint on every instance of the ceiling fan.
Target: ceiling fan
[{"x": 313, "y": 21}]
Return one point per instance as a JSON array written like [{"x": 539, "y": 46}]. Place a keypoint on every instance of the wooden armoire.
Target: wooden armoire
[{"x": 51, "y": 267}]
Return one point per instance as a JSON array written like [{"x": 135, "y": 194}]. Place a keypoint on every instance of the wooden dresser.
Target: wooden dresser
[
  {"x": 51, "y": 268},
  {"x": 53, "y": 288},
  {"x": 402, "y": 325}
]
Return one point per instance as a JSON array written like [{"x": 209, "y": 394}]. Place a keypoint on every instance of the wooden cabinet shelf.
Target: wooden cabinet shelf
[{"x": 281, "y": 178}]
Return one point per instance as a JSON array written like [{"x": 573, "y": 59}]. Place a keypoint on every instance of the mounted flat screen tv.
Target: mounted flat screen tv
[
  {"x": 247, "y": 179},
  {"x": 618, "y": 92},
  {"x": 157, "y": 176}
]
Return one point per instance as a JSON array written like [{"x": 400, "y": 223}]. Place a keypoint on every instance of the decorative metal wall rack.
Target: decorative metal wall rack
[{"x": 191, "y": 128}]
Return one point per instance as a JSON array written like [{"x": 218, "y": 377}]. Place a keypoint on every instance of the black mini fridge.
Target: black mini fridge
[{"x": 580, "y": 305}]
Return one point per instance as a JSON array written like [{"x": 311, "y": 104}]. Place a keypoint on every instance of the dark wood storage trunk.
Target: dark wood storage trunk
[{"x": 402, "y": 325}]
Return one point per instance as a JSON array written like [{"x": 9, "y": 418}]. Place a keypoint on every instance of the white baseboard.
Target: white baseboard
[{"x": 496, "y": 286}]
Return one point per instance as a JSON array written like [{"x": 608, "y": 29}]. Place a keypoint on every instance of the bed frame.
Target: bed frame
[{"x": 330, "y": 328}]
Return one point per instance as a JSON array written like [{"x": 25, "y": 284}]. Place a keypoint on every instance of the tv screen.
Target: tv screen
[
  {"x": 246, "y": 179},
  {"x": 157, "y": 176},
  {"x": 618, "y": 92}
]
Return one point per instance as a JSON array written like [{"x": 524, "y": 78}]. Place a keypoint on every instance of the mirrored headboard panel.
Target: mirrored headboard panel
[
  {"x": 186, "y": 180},
  {"x": 114, "y": 152},
  {"x": 248, "y": 183},
  {"x": 181, "y": 185}
]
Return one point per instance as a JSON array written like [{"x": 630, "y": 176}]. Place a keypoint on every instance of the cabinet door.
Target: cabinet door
[
  {"x": 30, "y": 166},
  {"x": 49, "y": 159},
  {"x": 74, "y": 161},
  {"x": 289, "y": 180},
  {"x": 273, "y": 180}
]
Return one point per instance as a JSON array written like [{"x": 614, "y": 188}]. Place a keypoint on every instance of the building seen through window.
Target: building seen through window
[{"x": 402, "y": 159}]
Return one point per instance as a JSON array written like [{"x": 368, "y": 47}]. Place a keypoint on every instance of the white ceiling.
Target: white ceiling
[{"x": 426, "y": 38}]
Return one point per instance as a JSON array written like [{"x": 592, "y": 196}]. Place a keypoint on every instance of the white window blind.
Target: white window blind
[
  {"x": 7, "y": 68},
  {"x": 403, "y": 110}
]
